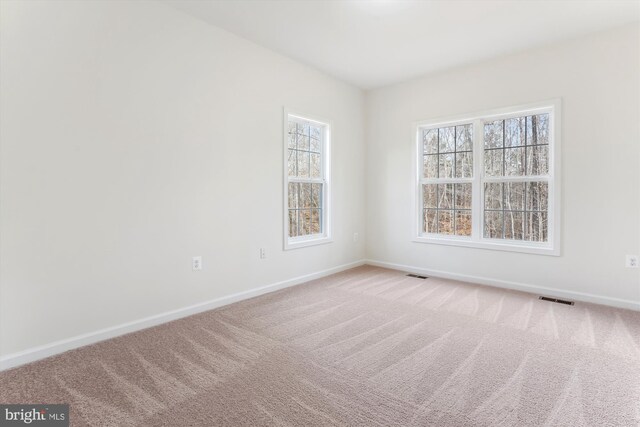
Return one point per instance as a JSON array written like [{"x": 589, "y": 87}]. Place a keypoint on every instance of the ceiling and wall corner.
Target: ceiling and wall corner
[{"x": 373, "y": 43}]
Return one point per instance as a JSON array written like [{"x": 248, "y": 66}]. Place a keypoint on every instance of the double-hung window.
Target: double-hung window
[
  {"x": 306, "y": 189},
  {"x": 490, "y": 180}
]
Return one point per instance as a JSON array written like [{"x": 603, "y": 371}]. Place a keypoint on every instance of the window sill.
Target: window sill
[
  {"x": 507, "y": 246},
  {"x": 306, "y": 242}
]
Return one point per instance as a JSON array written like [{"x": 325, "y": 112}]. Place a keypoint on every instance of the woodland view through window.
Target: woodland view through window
[
  {"x": 488, "y": 180},
  {"x": 306, "y": 189}
]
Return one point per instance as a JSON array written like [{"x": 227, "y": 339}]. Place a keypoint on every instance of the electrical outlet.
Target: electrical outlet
[
  {"x": 196, "y": 263},
  {"x": 632, "y": 261},
  {"x": 263, "y": 253},
  {"x": 356, "y": 237}
]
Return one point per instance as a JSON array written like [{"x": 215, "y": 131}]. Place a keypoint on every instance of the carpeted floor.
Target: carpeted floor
[{"x": 365, "y": 347}]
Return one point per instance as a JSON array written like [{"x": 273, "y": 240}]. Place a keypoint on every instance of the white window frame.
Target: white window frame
[
  {"x": 325, "y": 236},
  {"x": 477, "y": 239}
]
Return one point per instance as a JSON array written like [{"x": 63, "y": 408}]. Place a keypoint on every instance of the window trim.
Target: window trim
[
  {"x": 477, "y": 240},
  {"x": 325, "y": 236}
]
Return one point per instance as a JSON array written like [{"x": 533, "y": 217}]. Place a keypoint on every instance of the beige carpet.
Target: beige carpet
[{"x": 364, "y": 347}]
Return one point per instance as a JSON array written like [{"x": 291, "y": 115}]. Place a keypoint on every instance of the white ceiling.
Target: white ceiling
[{"x": 371, "y": 43}]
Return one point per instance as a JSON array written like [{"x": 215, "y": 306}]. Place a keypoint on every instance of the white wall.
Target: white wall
[
  {"x": 598, "y": 79},
  {"x": 134, "y": 137}
]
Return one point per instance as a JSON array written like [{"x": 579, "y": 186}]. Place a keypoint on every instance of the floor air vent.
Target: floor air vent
[
  {"x": 417, "y": 277},
  {"x": 559, "y": 301}
]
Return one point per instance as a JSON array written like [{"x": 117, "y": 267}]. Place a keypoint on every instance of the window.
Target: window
[
  {"x": 306, "y": 174},
  {"x": 447, "y": 160},
  {"x": 488, "y": 180}
]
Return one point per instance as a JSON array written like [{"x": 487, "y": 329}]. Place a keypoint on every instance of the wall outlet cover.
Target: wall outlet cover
[{"x": 196, "y": 263}]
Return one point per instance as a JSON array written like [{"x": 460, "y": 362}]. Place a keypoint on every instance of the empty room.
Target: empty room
[{"x": 320, "y": 212}]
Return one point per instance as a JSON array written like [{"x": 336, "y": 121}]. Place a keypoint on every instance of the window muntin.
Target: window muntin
[
  {"x": 513, "y": 202},
  {"x": 306, "y": 171}
]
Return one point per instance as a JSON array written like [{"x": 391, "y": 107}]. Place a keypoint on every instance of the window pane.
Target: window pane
[
  {"x": 293, "y": 195},
  {"x": 430, "y": 141},
  {"x": 293, "y": 136},
  {"x": 303, "y": 142},
  {"x": 493, "y": 162},
  {"x": 303, "y": 128},
  {"x": 463, "y": 196},
  {"x": 514, "y": 132},
  {"x": 314, "y": 132},
  {"x": 464, "y": 138},
  {"x": 315, "y": 145},
  {"x": 430, "y": 221},
  {"x": 537, "y": 196},
  {"x": 493, "y": 134},
  {"x": 446, "y": 138},
  {"x": 445, "y": 169},
  {"x": 538, "y": 129},
  {"x": 315, "y": 221},
  {"x": 514, "y": 196},
  {"x": 431, "y": 166},
  {"x": 538, "y": 160},
  {"x": 464, "y": 165},
  {"x": 316, "y": 195},
  {"x": 293, "y": 223},
  {"x": 463, "y": 223},
  {"x": 514, "y": 161},
  {"x": 536, "y": 227},
  {"x": 445, "y": 222},
  {"x": 304, "y": 222},
  {"x": 315, "y": 166},
  {"x": 430, "y": 195},
  {"x": 493, "y": 195},
  {"x": 493, "y": 224},
  {"x": 445, "y": 196},
  {"x": 305, "y": 195},
  {"x": 303, "y": 164},
  {"x": 514, "y": 225},
  {"x": 291, "y": 162}
]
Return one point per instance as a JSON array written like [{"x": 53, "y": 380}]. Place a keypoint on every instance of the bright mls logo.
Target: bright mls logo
[{"x": 34, "y": 415}]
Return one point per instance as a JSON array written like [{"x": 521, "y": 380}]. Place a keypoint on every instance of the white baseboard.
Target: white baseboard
[
  {"x": 36, "y": 353},
  {"x": 540, "y": 290}
]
